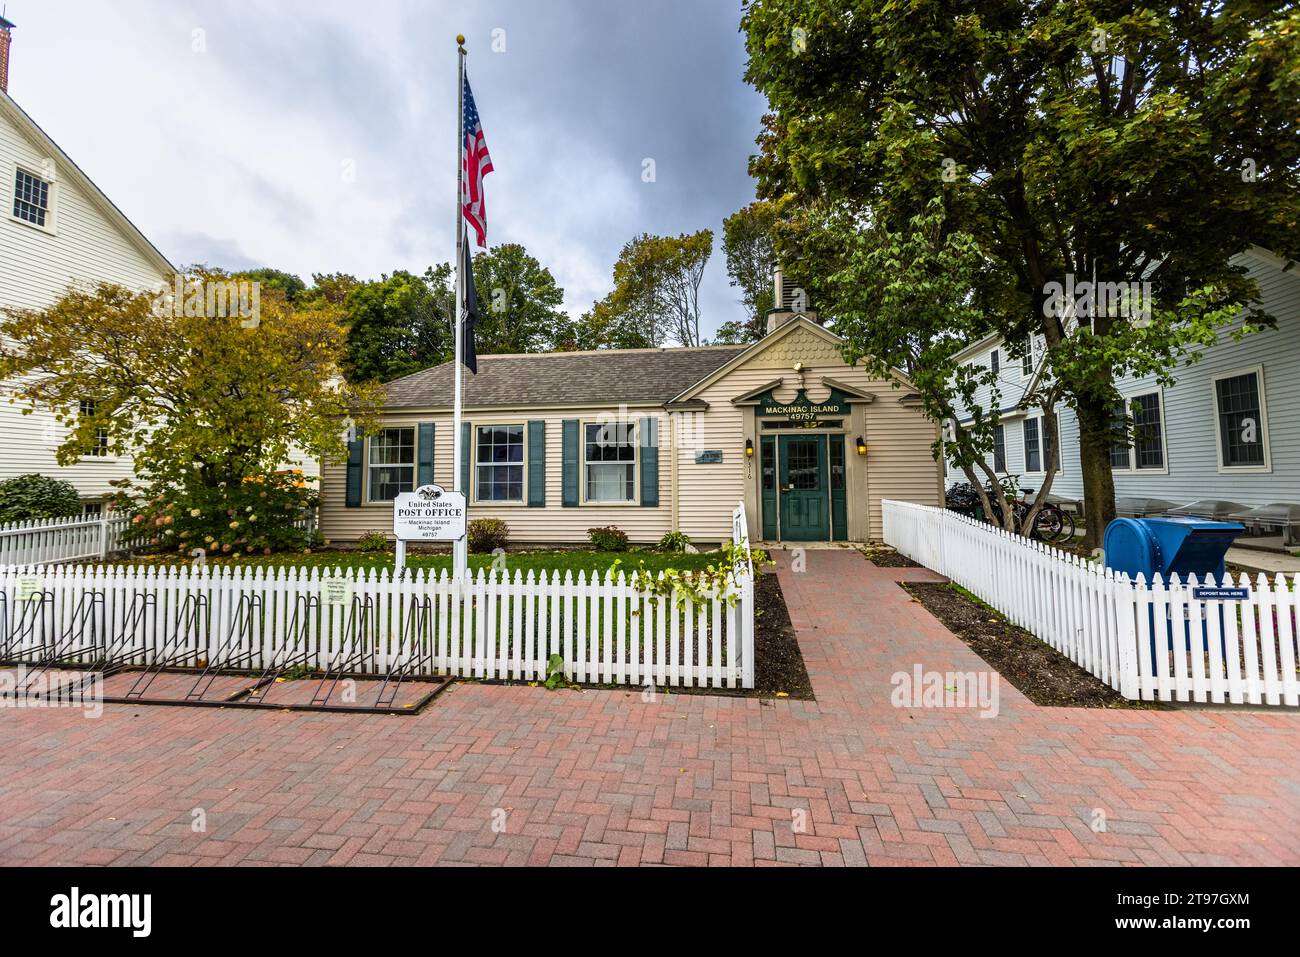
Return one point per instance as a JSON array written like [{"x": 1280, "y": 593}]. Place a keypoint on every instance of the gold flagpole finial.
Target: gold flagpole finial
[{"x": 460, "y": 39}]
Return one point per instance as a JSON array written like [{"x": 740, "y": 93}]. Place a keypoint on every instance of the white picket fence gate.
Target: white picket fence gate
[
  {"x": 55, "y": 540},
  {"x": 1148, "y": 641},
  {"x": 493, "y": 625}
]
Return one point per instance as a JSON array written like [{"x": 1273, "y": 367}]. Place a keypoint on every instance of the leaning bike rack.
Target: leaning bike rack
[
  {"x": 187, "y": 621},
  {"x": 87, "y": 618},
  {"x": 419, "y": 618},
  {"x": 36, "y": 616},
  {"x": 350, "y": 660}
]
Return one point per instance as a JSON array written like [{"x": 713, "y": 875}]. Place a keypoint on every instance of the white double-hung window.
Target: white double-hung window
[{"x": 609, "y": 461}]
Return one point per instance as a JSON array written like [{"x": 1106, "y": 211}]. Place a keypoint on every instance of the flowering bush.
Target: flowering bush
[{"x": 255, "y": 515}]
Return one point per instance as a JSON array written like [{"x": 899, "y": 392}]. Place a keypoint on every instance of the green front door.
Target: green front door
[{"x": 804, "y": 489}]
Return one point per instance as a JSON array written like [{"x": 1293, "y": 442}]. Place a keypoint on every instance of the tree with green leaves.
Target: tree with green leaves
[
  {"x": 398, "y": 325},
  {"x": 1071, "y": 141},
  {"x": 656, "y": 295},
  {"x": 520, "y": 303},
  {"x": 207, "y": 402},
  {"x": 748, "y": 241}
]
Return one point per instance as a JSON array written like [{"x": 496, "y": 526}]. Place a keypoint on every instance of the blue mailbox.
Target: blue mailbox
[{"x": 1170, "y": 546}]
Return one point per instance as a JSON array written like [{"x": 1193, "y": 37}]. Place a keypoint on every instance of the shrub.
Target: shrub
[
  {"x": 31, "y": 497},
  {"x": 674, "y": 542},
  {"x": 257, "y": 514},
  {"x": 608, "y": 539},
  {"x": 487, "y": 535},
  {"x": 373, "y": 541}
]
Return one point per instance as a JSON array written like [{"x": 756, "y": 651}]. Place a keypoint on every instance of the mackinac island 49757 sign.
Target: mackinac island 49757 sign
[{"x": 429, "y": 514}]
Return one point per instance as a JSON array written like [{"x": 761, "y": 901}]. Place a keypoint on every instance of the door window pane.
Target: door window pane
[{"x": 802, "y": 466}]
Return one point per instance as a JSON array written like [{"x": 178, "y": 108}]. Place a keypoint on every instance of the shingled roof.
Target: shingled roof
[{"x": 602, "y": 377}]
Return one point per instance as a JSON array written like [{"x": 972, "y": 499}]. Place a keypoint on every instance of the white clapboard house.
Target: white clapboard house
[
  {"x": 57, "y": 228},
  {"x": 1227, "y": 432}
]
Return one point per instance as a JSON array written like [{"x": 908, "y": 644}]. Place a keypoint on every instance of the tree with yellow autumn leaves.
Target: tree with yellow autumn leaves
[{"x": 210, "y": 385}]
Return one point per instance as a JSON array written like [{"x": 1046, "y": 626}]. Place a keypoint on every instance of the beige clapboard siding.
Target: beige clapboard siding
[
  {"x": 554, "y": 523},
  {"x": 899, "y": 465},
  {"x": 36, "y": 267}
]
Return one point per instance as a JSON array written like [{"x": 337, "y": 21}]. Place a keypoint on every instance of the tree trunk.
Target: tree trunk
[{"x": 1095, "y": 440}]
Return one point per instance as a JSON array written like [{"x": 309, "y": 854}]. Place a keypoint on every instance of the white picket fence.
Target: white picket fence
[
  {"x": 55, "y": 540},
  {"x": 1148, "y": 641},
  {"x": 493, "y": 625}
]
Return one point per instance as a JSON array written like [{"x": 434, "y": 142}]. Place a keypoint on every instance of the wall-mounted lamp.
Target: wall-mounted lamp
[
  {"x": 862, "y": 446},
  {"x": 749, "y": 448}
]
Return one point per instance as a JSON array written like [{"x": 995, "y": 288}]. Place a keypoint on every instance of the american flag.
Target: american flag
[{"x": 476, "y": 163}]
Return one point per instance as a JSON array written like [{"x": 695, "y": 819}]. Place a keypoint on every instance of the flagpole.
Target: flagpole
[{"x": 460, "y": 556}]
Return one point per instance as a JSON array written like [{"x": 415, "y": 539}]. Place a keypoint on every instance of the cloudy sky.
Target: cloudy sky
[{"x": 320, "y": 136}]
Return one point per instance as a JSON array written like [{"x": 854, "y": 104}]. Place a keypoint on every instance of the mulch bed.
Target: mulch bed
[
  {"x": 1036, "y": 669},
  {"x": 778, "y": 662},
  {"x": 886, "y": 557}
]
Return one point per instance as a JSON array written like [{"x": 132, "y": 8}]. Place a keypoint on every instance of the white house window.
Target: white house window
[
  {"x": 610, "y": 462},
  {"x": 999, "y": 448},
  {"x": 1027, "y": 362},
  {"x": 1242, "y": 429},
  {"x": 499, "y": 463},
  {"x": 31, "y": 198},
  {"x": 92, "y": 509},
  {"x": 392, "y": 464},
  {"x": 99, "y": 444},
  {"x": 995, "y": 361},
  {"x": 1148, "y": 432},
  {"x": 1037, "y": 448},
  {"x": 1033, "y": 452},
  {"x": 1144, "y": 447}
]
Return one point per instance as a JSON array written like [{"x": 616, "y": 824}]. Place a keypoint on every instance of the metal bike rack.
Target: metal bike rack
[
  {"x": 417, "y": 625},
  {"x": 37, "y": 614},
  {"x": 364, "y": 636},
  {"x": 86, "y": 620},
  {"x": 187, "y": 620}
]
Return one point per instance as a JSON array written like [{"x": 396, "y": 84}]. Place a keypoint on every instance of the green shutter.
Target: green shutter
[
  {"x": 353, "y": 499},
  {"x": 466, "y": 452},
  {"x": 569, "y": 463},
  {"x": 648, "y": 434},
  {"x": 424, "y": 467},
  {"x": 536, "y": 463}
]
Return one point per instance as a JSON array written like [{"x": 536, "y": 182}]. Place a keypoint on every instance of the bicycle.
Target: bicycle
[{"x": 1052, "y": 524}]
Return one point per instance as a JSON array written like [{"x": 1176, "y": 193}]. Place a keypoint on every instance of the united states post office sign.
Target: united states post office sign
[
  {"x": 429, "y": 514},
  {"x": 708, "y": 456}
]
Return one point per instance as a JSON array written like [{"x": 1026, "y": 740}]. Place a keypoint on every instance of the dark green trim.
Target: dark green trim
[
  {"x": 424, "y": 453},
  {"x": 767, "y": 485},
  {"x": 569, "y": 463},
  {"x": 536, "y": 463},
  {"x": 353, "y": 497},
  {"x": 839, "y": 489},
  {"x": 648, "y": 433}
]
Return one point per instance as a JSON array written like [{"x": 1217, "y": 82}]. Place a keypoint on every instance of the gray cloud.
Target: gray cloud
[{"x": 311, "y": 138}]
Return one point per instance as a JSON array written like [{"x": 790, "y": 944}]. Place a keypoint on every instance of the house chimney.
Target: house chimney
[
  {"x": 786, "y": 303},
  {"x": 5, "y": 38}
]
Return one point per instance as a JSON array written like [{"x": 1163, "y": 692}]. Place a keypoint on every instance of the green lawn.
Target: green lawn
[{"x": 524, "y": 561}]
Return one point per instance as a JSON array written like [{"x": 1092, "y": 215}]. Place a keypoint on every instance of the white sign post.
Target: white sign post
[{"x": 429, "y": 514}]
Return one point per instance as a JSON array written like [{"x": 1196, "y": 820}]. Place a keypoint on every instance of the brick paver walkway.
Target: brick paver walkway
[{"x": 498, "y": 775}]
